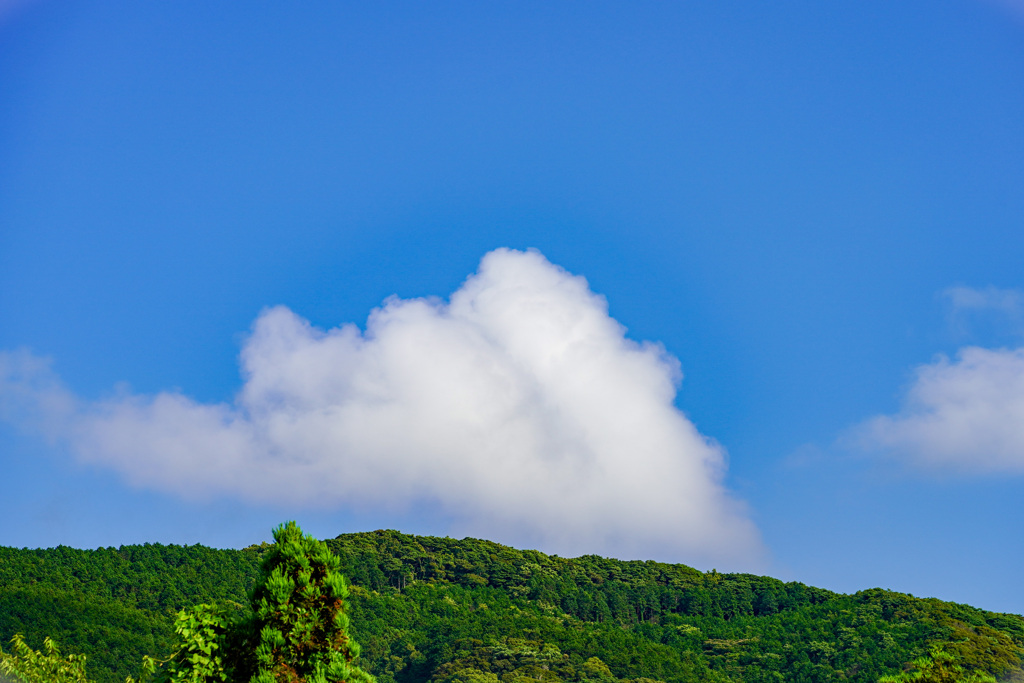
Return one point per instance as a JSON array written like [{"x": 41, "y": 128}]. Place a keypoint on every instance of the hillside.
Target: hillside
[{"x": 470, "y": 611}]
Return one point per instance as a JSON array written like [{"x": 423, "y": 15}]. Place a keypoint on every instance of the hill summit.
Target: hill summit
[{"x": 440, "y": 610}]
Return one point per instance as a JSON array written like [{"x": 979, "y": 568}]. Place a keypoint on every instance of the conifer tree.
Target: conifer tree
[
  {"x": 301, "y": 615},
  {"x": 297, "y": 632}
]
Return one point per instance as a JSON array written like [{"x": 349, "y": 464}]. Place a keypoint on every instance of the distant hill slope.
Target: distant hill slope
[{"x": 470, "y": 611}]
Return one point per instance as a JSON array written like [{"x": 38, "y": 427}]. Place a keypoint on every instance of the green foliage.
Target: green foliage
[
  {"x": 115, "y": 605},
  {"x": 152, "y": 577},
  {"x": 301, "y": 614},
  {"x": 437, "y": 609},
  {"x": 31, "y": 666},
  {"x": 937, "y": 667},
  {"x": 109, "y": 633},
  {"x": 210, "y": 647},
  {"x": 653, "y": 620},
  {"x": 296, "y": 632},
  {"x": 518, "y": 661}
]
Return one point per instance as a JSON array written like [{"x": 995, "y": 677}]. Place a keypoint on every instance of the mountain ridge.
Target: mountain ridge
[{"x": 443, "y": 610}]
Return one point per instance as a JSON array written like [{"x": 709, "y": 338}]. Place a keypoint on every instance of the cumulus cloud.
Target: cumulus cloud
[
  {"x": 519, "y": 407},
  {"x": 964, "y": 415}
]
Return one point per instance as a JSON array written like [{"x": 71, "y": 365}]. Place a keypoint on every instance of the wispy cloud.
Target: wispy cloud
[
  {"x": 969, "y": 299},
  {"x": 518, "y": 406},
  {"x": 964, "y": 415},
  {"x": 989, "y": 312}
]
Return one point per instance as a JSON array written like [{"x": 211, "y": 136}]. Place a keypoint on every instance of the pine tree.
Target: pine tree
[
  {"x": 297, "y": 632},
  {"x": 301, "y": 615}
]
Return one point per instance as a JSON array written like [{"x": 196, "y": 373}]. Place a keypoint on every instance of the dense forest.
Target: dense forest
[{"x": 439, "y": 610}]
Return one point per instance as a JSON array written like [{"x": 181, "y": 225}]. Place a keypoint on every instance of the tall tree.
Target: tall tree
[
  {"x": 297, "y": 631},
  {"x": 301, "y": 614}
]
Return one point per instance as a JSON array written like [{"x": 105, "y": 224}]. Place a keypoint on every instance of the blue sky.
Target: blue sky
[{"x": 813, "y": 207}]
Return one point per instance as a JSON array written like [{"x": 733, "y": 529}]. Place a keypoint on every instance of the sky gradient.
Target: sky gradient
[{"x": 816, "y": 211}]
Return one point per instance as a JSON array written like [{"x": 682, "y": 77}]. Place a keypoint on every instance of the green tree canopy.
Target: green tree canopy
[
  {"x": 301, "y": 614},
  {"x": 937, "y": 667},
  {"x": 296, "y": 632}
]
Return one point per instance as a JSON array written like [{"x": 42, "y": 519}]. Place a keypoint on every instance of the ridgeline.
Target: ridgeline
[{"x": 439, "y": 610}]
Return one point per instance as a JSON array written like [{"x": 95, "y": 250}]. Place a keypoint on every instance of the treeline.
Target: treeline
[
  {"x": 114, "y": 604},
  {"x": 746, "y": 627},
  {"x": 471, "y": 611}
]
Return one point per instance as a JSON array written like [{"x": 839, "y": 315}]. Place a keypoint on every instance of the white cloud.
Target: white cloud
[
  {"x": 964, "y": 415},
  {"x": 519, "y": 407}
]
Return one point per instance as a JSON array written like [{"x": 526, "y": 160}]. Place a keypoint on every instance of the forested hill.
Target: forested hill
[{"x": 439, "y": 610}]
